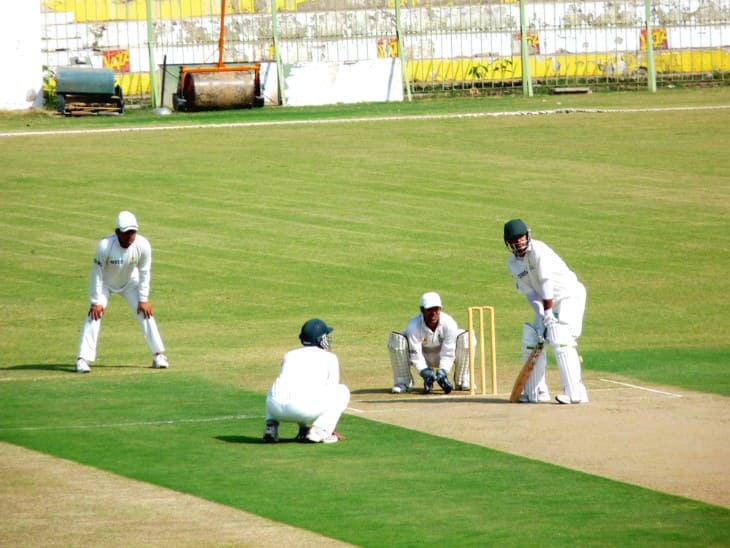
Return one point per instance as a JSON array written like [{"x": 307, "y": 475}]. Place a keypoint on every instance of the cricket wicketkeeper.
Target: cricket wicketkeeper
[
  {"x": 431, "y": 341},
  {"x": 558, "y": 299}
]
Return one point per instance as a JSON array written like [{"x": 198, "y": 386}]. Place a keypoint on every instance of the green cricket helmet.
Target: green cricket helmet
[
  {"x": 314, "y": 333},
  {"x": 513, "y": 231}
]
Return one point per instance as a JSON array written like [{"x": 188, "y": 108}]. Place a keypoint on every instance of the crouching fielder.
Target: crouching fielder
[
  {"x": 308, "y": 389},
  {"x": 431, "y": 341},
  {"x": 558, "y": 300}
]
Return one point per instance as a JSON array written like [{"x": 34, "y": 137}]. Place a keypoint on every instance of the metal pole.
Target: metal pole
[
  {"x": 525, "y": 54},
  {"x": 164, "y": 72},
  {"x": 151, "y": 50},
  {"x": 650, "y": 69},
  {"x": 401, "y": 51},
  {"x": 222, "y": 35},
  {"x": 277, "y": 54}
]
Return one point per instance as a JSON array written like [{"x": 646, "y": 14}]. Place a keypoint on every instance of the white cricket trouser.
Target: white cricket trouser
[
  {"x": 323, "y": 408},
  {"x": 91, "y": 328},
  {"x": 570, "y": 311},
  {"x": 563, "y": 340}
]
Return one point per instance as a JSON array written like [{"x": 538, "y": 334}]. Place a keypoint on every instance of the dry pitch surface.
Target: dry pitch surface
[{"x": 657, "y": 437}]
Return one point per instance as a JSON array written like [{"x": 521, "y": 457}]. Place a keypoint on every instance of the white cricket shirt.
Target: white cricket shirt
[{"x": 115, "y": 267}]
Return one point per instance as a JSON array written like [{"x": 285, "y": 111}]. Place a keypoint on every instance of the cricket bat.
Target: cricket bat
[{"x": 525, "y": 373}]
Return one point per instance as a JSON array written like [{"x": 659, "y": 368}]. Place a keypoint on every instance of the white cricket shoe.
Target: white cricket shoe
[
  {"x": 82, "y": 366},
  {"x": 271, "y": 432},
  {"x": 402, "y": 388},
  {"x": 542, "y": 397},
  {"x": 565, "y": 399},
  {"x": 160, "y": 361},
  {"x": 318, "y": 435}
]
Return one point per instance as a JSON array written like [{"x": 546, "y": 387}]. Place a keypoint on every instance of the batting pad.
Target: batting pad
[
  {"x": 570, "y": 375},
  {"x": 535, "y": 383}
]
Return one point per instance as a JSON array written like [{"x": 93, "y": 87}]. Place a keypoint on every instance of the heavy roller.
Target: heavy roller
[
  {"x": 81, "y": 91},
  {"x": 218, "y": 87}
]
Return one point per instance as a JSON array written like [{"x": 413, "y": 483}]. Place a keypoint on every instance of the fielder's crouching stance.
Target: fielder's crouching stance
[
  {"x": 308, "y": 389},
  {"x": 431, "y": 340},
  {"x": 558, "y": 300}
]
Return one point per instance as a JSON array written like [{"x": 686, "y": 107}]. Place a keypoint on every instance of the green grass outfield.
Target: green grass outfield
[{"x": 256, "y": 228}]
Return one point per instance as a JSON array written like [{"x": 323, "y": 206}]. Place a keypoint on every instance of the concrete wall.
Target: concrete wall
[{"x": 21, "y": 60}]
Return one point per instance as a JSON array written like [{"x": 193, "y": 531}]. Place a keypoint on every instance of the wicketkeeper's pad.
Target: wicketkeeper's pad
[
  {"x": 461, "y": 360},
  {"x": 398, "y": 349}
]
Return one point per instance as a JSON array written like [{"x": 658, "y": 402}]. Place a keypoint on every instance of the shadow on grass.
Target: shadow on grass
[
  {"x": 255, "y": 441},
  {"x": 372, "y": 391},
  {"x": 64, "y": 367}
]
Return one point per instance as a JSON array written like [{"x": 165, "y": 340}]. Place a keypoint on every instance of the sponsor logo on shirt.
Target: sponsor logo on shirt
[{"x": 121, "y": 261}]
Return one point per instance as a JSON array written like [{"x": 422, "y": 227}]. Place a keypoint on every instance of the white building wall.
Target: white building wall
[{"x": 21, "y": 59}]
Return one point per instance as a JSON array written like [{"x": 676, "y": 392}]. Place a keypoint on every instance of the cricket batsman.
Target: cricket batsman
[{"x": 558, "y": 299}]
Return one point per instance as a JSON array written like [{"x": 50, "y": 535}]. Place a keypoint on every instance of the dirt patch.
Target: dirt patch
[
  {"x": 656, "y": 437},
  {"x": 46, "y": 501}
]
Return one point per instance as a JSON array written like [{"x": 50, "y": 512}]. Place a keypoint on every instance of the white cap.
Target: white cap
[
  {"x": 126, "y": 221},
  {"x": 430, "y": 300}
]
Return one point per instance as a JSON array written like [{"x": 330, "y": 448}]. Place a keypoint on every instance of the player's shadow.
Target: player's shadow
[
  {"x": 257, "y": 440},
  {"x": 437, "y": 398},
  {"x": 416, "y": 395},
  {"x": 63, "y": 367}
]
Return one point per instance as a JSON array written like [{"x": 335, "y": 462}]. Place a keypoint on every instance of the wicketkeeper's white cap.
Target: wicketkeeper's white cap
[
  {"x": 430, "y": 300},
  {"x": 126, "y": 221}
]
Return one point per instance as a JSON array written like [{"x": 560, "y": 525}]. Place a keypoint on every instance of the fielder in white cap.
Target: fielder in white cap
[
  {"x": 431, "y": 341},
  {"x": 122, "y": 264}
]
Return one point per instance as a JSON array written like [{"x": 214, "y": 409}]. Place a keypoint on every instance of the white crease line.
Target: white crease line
[
  {"x": 127, "y": 424},
  {"x": 356, "y": 410},
  {"x": 644, "y": 388},
  {"x": 414, "y": 117}
]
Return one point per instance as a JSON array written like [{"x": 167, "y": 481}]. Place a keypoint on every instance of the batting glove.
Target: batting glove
[{"x": 549, "y": 318}]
